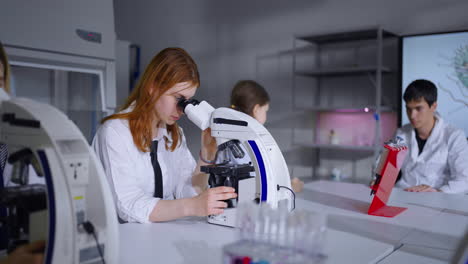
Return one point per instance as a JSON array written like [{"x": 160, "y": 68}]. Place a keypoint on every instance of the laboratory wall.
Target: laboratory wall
[{"x": 234, "y": 40}]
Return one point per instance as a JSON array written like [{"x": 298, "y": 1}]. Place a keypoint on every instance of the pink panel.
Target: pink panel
[{"x": 353, "y": 128}]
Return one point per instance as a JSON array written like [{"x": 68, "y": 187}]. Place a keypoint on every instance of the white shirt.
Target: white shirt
[
  {"x": 130, "y": 172},
  {"x": 443, "y": 163}
]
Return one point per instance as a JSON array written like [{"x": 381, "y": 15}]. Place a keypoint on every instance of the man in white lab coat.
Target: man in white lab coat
[{"x": 438, "y": 152}]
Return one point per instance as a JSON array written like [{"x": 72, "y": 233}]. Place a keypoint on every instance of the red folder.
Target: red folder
[{"x": 389, "y": 165}]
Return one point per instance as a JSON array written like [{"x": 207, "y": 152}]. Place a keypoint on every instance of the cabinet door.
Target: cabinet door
[{"x": 75, "y": 91}]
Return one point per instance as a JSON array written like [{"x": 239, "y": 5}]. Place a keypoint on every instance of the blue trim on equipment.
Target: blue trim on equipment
[
  {"x": 51, "y": 205},
  {"x": 261, "y": 166}
]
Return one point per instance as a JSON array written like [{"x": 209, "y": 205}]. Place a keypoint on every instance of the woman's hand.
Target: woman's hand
[
  {"x": 210, "y": 202},
  {"x": 32, "y": 253},
  {"x": 209, "y": 147},
  {"x": 297, "y": 185}
]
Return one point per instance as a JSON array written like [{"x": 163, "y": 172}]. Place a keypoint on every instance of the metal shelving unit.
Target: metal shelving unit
[
  {"x": 374, "y": 70},
  {"x": 343, "y": 71}
]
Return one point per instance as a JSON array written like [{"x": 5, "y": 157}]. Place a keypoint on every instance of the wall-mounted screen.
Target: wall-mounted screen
[{"x": 443, "y": 59}]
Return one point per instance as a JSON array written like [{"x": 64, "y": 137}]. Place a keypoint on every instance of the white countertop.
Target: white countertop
[{"x": 430, "y": 228}]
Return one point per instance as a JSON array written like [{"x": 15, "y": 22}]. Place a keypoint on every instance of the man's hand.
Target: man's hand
[{"x": 421, "y": 188}]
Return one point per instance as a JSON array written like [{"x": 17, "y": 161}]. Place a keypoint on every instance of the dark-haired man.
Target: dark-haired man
[{"x": 438, "y": 152}]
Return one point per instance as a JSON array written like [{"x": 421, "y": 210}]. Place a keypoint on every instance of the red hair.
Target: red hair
[{"x": 169, "y": 67}]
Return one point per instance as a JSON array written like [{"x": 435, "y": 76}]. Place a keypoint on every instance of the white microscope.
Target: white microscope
[
  {"x": 78, "y": 219},
  {"x": 235, "y": 132}
]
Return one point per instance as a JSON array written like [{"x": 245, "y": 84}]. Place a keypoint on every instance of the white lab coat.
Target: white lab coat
[
  {"x": 130, "y": 172},
  {"x": 443, "y": 163}
]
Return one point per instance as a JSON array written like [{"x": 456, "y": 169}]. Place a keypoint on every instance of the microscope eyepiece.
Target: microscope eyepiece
[
  {"x": 182, "y": 103},
  {"x": 198, "y": 112}
]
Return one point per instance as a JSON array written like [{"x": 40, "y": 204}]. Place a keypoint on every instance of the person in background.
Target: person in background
[
  {"x": 438, "y": 152},
  {"x": 4, "y": 95},
  {"x": 32, "y": 253},
  {"x": 152, "y": 174},
  {"x": 4, "y": 71},
  {"x": 251, "y": 98}
]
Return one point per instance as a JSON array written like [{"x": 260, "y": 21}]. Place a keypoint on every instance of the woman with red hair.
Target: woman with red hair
[{"x": 144, "y": 153}]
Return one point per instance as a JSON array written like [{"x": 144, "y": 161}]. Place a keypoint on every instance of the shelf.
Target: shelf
[
  {"x": 342, "y": 71},
  {"x": 326, "y": 68},
  {"x": 367, "y": 34},
  {"x": 359, "y": 180},
  {"x": 348, "y": 109},
  {"x": 303, "y": 154},
  {"x": 340, "y": 147},
  {"x": 307, "y": 114}
]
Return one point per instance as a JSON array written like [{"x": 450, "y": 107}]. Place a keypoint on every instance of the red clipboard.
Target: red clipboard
[{"x": 391, "y": 159}]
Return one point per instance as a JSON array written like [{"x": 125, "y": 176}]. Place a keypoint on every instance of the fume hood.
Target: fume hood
[{"x": 63, "y": 53}]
